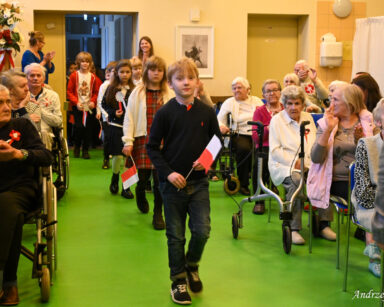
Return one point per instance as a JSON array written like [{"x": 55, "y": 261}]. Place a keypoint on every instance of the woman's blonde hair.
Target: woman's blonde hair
[{"x": 353, "y": 97}]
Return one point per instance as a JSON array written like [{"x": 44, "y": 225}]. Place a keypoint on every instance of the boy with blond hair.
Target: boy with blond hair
[{"x": 180, "y": 131}]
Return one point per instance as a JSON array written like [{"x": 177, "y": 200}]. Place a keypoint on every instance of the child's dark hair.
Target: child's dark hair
[
  {"x": 114, "y": 86},
  {"x": 152, "y": 63}
]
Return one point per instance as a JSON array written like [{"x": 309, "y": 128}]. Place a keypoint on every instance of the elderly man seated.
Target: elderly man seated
[
  {"x": 17, "y": 84},
  {"x": 21, "y": 151},
  {"x": 310, "y": 83},
  {"x": 241, "y": 106},
  {"x": 284, "y": 142},
  {"x": 50, "y": 109}
]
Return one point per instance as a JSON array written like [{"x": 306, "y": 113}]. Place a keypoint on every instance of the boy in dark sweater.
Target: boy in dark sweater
[{"x": 184, "y": 127}]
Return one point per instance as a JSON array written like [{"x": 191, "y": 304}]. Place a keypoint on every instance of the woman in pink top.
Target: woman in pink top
[{"x": 271, "y": 93}]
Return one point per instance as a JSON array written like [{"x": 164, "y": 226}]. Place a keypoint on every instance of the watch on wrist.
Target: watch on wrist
[{"x": 25, "y": 154}]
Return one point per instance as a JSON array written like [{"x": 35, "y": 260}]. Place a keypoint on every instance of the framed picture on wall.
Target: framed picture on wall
[{"x": 197, "y": 43}]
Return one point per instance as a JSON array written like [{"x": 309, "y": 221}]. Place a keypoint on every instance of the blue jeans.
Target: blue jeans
[{"x": 194, "y": 201}]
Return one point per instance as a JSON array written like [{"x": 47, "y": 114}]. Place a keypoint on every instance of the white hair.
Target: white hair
[
  {"x": 242, "y": 81},
  {"x": 293, "y": 77},
  {"x": 31, "y": 66},
  {"x": 302, "y": 62}
]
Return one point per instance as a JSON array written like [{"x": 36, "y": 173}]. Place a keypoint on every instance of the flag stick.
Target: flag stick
[{"x": 178, "y": 190}]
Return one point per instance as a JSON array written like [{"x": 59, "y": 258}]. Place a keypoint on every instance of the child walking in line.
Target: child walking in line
[
  {"x": 82, "y": 90},
  {"x": 144, "y": 102},
  {"x": 101, "y": 113},
  {"x": 180, "y": 132},
  {"x": 137, "y": 69},
  {"x": 115, "y": 103}
]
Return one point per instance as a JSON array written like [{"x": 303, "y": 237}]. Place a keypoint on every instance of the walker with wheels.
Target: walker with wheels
[{"x": 285, "y": 206}]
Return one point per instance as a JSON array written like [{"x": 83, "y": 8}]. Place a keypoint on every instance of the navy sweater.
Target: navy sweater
[
  {"x": 185, "y": 134},
  {"x": 15, "y": 172}
]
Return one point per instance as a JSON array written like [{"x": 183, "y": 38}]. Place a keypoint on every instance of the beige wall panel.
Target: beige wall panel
[
  {"x": 54, "y": 40},
  {"x": 272, "y": 48}
]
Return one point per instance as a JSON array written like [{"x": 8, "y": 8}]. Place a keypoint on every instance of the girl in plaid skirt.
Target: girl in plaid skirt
[
  {"x": 143, "y": 103},
  {"x": 115, "y": 102}
]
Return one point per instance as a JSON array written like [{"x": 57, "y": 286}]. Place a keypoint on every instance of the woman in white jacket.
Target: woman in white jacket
[
  {"x": 241, "y": 107},
  {"x": 143, "y": 103}
]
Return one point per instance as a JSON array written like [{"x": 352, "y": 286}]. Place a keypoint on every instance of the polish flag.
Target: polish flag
[
  {"x": 210, "y": 152},
  {"x": 84, "y": 118},
  {"x": 129, "y": 177}
]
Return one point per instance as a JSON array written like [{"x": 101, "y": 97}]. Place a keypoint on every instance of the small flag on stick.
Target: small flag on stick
[
  {"x": 130, "y": 177},
  {"x": 210, "y": 152}
]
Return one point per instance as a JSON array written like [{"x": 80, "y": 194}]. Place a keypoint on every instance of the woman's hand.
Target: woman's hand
[
  {"x": 358, "y": 133},
  {"x": 127, "y": 150},
  {"x": 330, "y": 120}
]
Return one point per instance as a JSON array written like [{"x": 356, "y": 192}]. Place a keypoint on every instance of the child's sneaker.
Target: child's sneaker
[
  {"x": 194, "y": 281},
  {"x": 179, "y": 292},
  {"x": 374, "y": 268},
  {"x": 372, "y": 251}
]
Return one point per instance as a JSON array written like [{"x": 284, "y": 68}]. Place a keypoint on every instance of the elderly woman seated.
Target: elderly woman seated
[
  {"x": 284, "y": 143},
  {"x": 344, "y": 122},
  {"x": 363, "y": 195},
  {"x": 271, "y": 93},
  {"x": 21, "y": 150},
  {"x": 241, "y": 106}
]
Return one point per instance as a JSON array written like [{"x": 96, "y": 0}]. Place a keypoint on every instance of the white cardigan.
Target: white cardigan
[
  {"x": 135, "y": 119},
  {"x": 239, "y": 121}
]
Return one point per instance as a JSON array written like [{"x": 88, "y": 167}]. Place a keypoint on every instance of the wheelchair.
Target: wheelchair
[
  {"x": 226, "y": 161},
  {"x": 43, "y": 255},
  {"x": 60, "y": 164}
]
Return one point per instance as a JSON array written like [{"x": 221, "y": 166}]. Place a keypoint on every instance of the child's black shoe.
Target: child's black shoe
[
  {"x": 114, "y": 186},
  {"x": 179, "y": 292},
  {"x": 193, "y": 278}
]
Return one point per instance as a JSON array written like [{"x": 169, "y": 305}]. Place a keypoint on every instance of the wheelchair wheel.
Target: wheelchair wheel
[
  {"x": 287, "y": 238},
  {"x": 45, "y": 285},
  {"x": 235, "y": 225},
  {"x": 231, "y": 185}
]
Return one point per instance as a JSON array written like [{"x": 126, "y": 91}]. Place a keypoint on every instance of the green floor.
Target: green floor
[{"x": 109, "y": 255}]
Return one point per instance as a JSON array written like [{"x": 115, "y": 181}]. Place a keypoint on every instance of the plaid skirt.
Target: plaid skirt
[{"x": 139, "y": 153}]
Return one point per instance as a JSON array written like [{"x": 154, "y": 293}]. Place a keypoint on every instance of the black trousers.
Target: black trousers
[
  {"x": 13, "y": 207},
  {"x": 83, "y": 135},
  {"x": 144, "y": 175},
  {"x": 243, "y": 147}
]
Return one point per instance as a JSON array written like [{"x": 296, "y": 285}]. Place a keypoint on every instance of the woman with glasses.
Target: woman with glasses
[
  {"x": 271, "y": 92},
  {"x": 35, "y": 55}
]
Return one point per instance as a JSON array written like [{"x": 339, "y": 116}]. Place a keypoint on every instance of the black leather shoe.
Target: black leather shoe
[
  {"x": 245, "y": 191},
  {"x": 10, "y": 297},
  {"x": 259, "y": 208},
  {"x": 158, "y": 221},
  {"x": 105, "y": 164},
  {"x": 127, "y": 193},
  {"x": 76, "y": 152},
  {"x": 86, "y": 154},
  {"x": 114, "y": 186}
]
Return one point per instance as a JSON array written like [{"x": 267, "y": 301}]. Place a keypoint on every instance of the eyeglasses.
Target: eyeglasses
[{"x": 269, "y": 92}]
